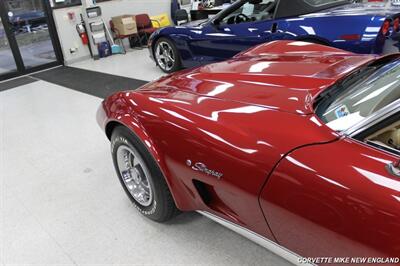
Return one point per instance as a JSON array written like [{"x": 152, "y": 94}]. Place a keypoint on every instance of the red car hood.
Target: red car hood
[{"x": 283, "y": 81}]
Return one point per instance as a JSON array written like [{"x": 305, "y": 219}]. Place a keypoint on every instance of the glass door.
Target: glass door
[
  {"x": 29, "y": 29},
  {"x": 7, "y": 62}
]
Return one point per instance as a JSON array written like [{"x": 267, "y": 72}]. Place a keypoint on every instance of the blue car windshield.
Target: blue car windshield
[
  {"x": 375, "y": 88},
  {"x": 248, "y": 11}
]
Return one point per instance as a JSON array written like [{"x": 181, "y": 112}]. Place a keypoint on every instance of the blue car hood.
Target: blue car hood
[{"x": 195, "y": 24}]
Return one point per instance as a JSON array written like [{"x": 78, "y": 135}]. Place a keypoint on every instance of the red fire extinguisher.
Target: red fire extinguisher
[
  {"x": 80, "y": 28},
  {"x": 84, "y": 38}
]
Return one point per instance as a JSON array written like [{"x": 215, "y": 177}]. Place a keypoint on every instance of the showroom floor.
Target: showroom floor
[
  {"x": 61, "y": 202},
  {"x": 135, "y": 64}
]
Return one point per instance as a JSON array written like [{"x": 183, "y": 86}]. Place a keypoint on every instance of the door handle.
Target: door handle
[{"x": 394, "y": 168}]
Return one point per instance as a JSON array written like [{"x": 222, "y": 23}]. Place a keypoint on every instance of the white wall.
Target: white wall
[{"x": 69, "y": 38}]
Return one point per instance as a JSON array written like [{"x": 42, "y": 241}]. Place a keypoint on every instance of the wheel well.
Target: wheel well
[
  {"x": 165, "y": 37},
  {"x": 176, "y": 63},
  {"x": 110, "y": 128},
  {"x": 159, "y": 37},
  {"x": 153, "y": 46}
]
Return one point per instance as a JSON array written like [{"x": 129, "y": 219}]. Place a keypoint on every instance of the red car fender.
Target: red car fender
[
  {"x": 113, "y": 111},
  {"x": 282, "y": 47}
]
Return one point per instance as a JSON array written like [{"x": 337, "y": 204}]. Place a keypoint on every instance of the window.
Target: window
[
  {"x": 68, "y": 3},
  {"x": 365, "y": 92},
  {"x": 250, "y": 11},
  {"x": 386, "y": 138},
  {"x": 185, "y": 2},
  {"x": 65, "y": 3}
]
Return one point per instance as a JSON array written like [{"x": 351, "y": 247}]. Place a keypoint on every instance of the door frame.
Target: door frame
[{"x": 21, "y": 70}]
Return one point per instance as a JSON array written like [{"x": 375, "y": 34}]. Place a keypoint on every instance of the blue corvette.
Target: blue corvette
[{"x": 360, "y": 28}]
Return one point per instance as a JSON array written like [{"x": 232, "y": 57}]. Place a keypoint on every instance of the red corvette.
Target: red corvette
[{"x": 294, "y": 145}]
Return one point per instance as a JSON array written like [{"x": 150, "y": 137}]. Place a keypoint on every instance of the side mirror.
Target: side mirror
[
  {"x": 394, "y": 168},
  {"x": 216, "y": 22}
]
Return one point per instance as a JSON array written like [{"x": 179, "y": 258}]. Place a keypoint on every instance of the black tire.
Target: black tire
[
  {"x": 177, "y": 65},
  {"x": 162, "y": 207}
]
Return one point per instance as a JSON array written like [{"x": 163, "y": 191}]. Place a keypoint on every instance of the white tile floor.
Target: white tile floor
[
  {"x": 134, "y": 64},
  {"x": 61, "y": 202}
]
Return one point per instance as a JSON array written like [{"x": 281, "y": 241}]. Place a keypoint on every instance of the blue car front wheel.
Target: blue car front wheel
[{"x": 167, "y": 56}]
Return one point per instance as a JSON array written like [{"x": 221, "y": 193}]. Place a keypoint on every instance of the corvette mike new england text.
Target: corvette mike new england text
[{"x": 349, "y": 260}]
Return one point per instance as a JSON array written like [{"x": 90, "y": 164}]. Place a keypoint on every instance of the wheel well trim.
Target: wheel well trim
[
  {"x": 135, "y": 128},
  {"x": 154, "y": 42}
]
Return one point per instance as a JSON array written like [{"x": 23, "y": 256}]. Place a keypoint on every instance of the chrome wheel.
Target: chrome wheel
[
  {"x": 165, "y": 56},
  {"x": 135, "y": 175}
]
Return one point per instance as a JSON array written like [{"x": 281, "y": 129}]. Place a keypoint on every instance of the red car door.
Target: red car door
[{"x": 336, "y": 200}]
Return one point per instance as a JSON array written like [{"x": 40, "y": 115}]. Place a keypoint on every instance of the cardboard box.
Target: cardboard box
[{"x": 125, "y": 24}]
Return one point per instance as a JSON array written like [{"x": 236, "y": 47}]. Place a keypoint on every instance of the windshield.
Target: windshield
[
  {"x": 249, "y": 11},
  {"x": 372, "y": 89}
]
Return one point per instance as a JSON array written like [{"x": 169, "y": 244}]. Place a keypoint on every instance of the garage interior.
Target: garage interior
[
  {"x": 61, "y": 202},
  {"x": 60, "y": 199}
]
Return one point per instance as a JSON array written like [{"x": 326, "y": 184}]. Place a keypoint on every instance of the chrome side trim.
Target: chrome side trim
[{"x": 258, "y": 239}]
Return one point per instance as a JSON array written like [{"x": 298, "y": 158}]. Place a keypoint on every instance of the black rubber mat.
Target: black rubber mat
[
  {"x": 90, "y": 82},
  {"x": 13, "y": 83}
]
